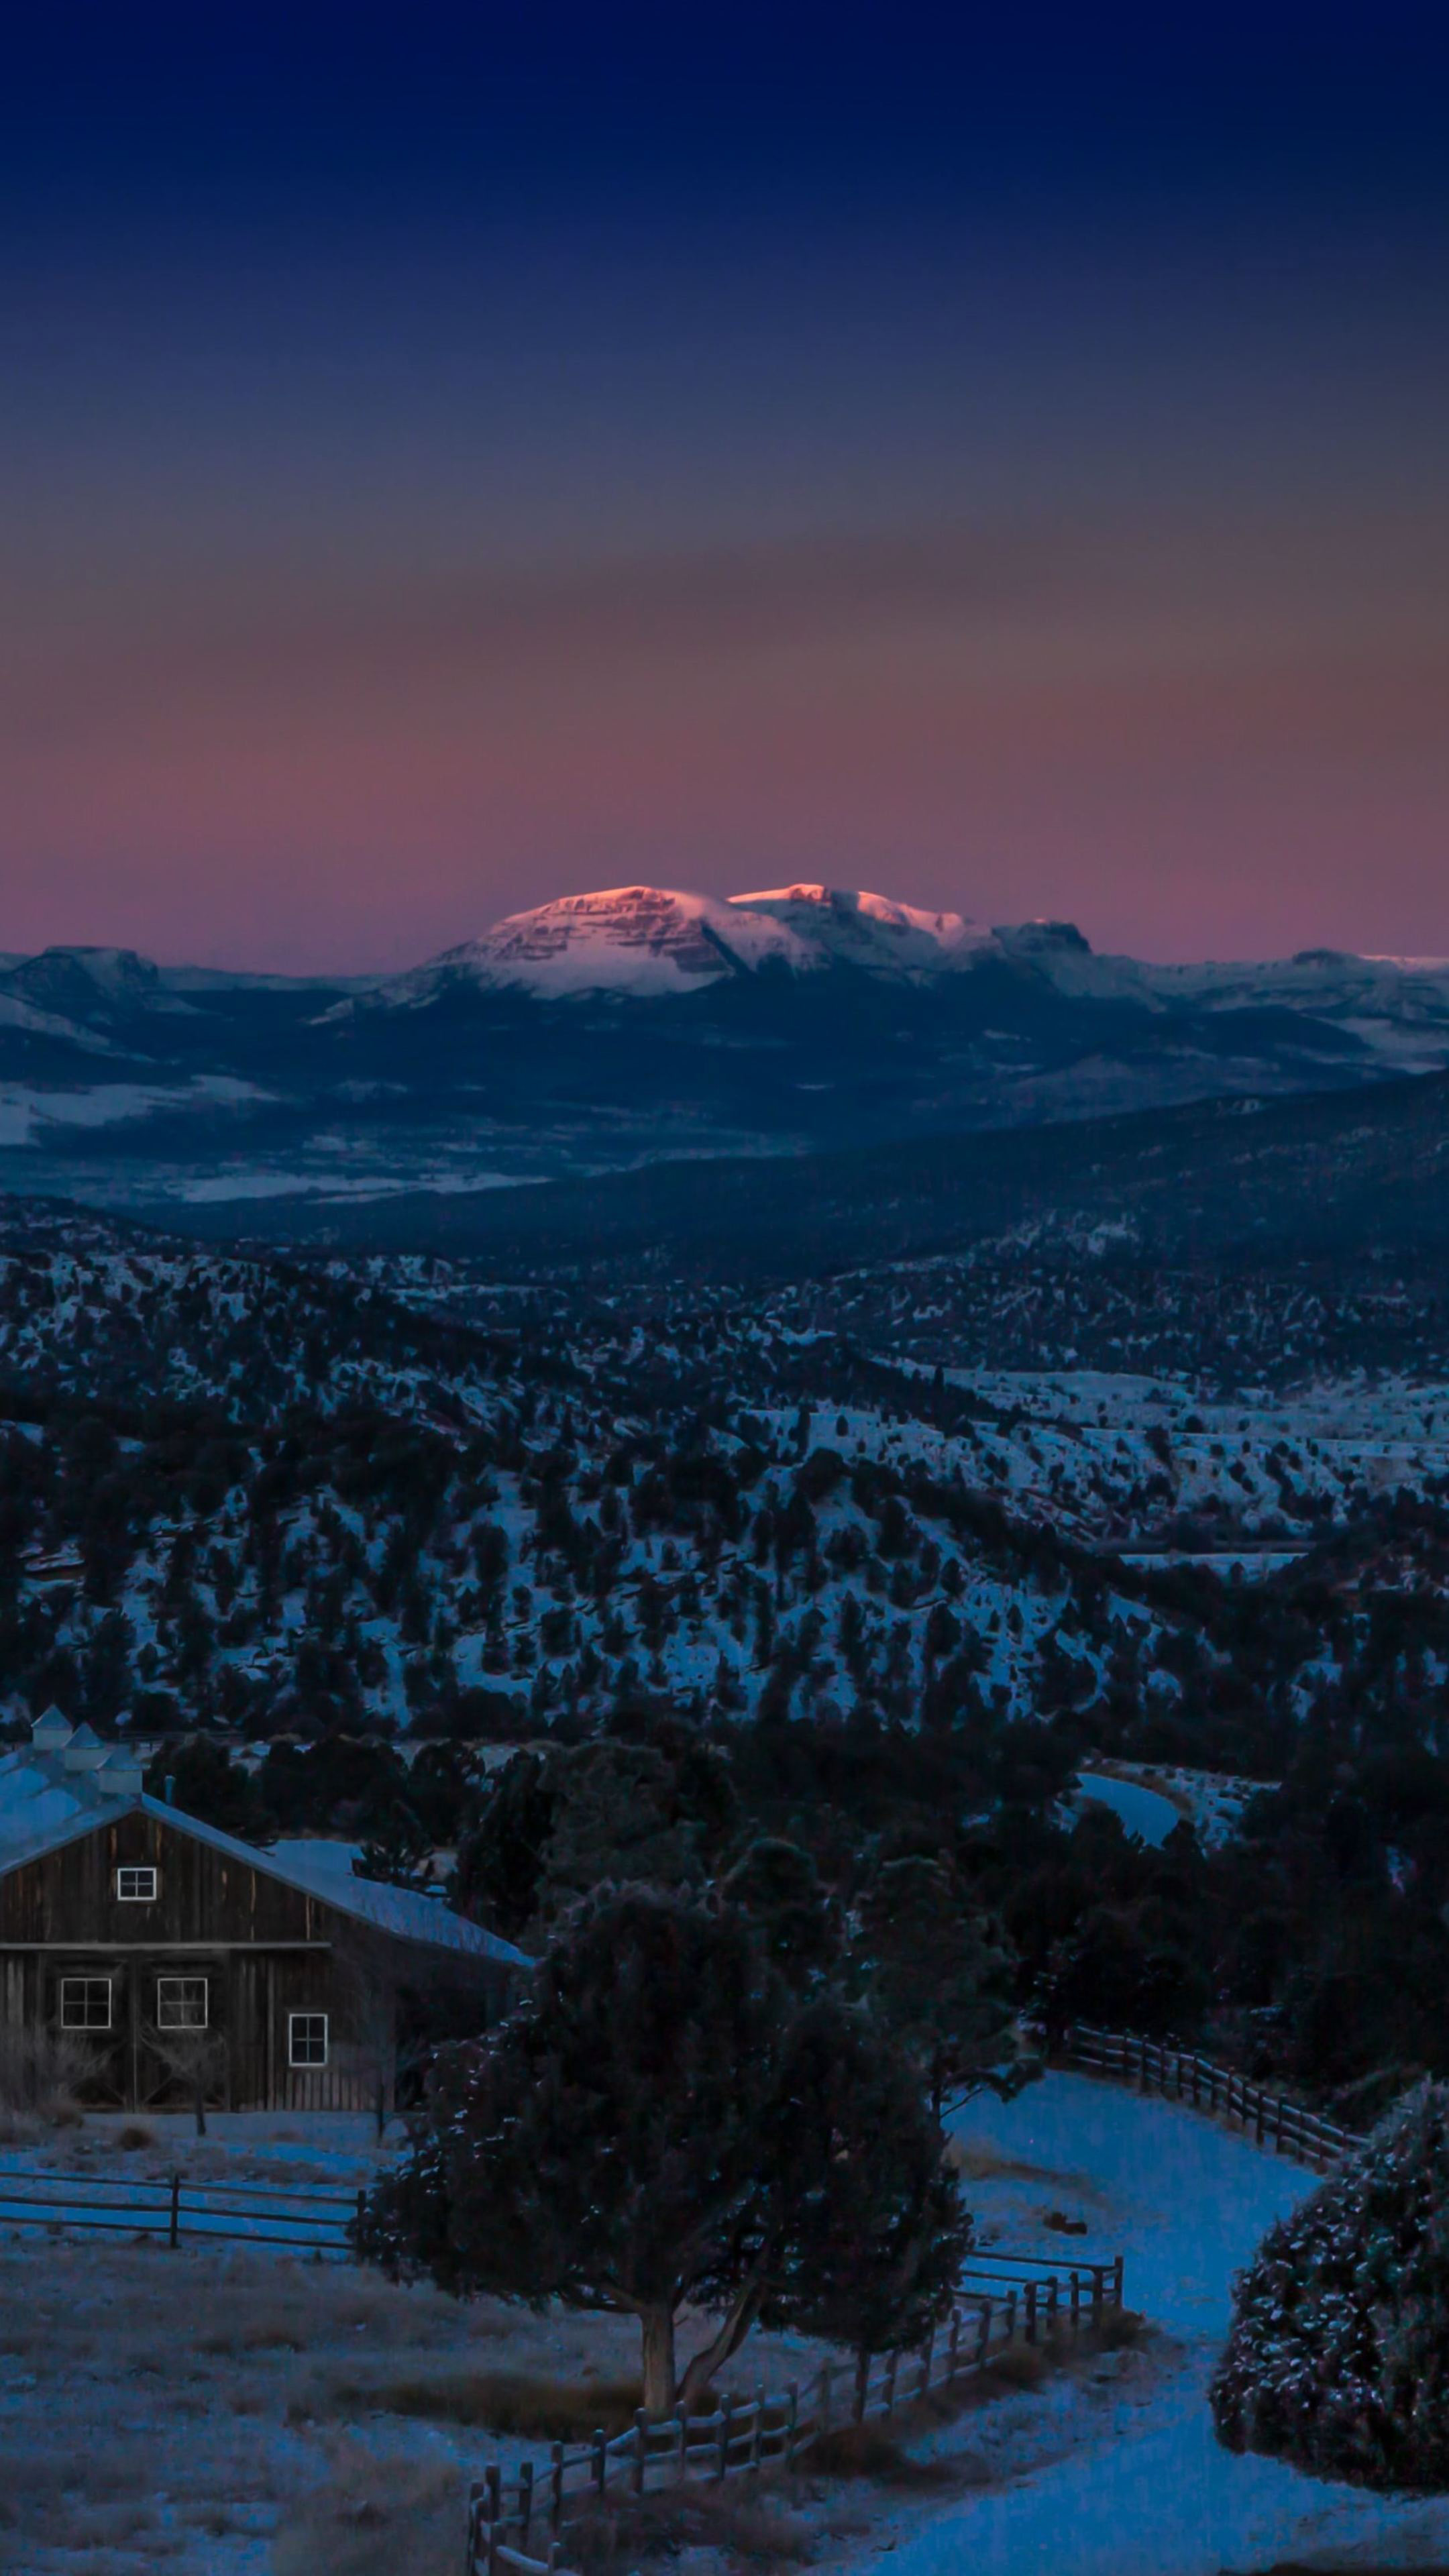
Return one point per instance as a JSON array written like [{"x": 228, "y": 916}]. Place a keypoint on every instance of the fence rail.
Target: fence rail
[
  {"x": 303, "y": 2218},
  {"x": 1180, "y": 2073},
  {"x": 1028, "y": 2295}
]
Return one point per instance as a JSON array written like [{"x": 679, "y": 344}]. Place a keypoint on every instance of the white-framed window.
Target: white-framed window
[
  {"x": 136, "y": 1886},
  {"x": 85, "y": 2003},
  {"x": 181, "y": 2003},
  {"x": 306, "y": 2039}
]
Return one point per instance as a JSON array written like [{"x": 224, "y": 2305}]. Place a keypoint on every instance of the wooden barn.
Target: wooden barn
[{"x": 159, "y": 1959}]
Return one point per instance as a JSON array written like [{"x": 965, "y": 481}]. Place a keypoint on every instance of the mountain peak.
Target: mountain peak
[{"x": 89, "y": 983}]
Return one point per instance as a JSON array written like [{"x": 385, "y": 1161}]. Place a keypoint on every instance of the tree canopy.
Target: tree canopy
[
  {"x": 1338, "y": 2359},
  {"x": 930, "y": 1965},
  {"x": 664, "y": 2122}
]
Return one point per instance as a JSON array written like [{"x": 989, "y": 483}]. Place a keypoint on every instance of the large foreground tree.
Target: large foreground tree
[
  {"x": 663, "y": 2124},
  {"x": 1338, "y": 2359}
]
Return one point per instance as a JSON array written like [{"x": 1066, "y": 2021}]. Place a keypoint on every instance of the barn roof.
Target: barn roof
[{"x": 43, "y": 1807}]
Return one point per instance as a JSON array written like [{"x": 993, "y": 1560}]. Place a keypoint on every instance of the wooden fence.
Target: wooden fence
[
  {"x": 1003, "y": 2296},
  {"x": 306, "y": 2219},
  {"x": 1155, "y": 2065}
]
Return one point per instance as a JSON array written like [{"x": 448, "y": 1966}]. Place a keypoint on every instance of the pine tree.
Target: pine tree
[
  {"x": 1338, "y": 2360},
  {"x": 662, "y": 2123},
  {"x": 942, "y": 1981}
]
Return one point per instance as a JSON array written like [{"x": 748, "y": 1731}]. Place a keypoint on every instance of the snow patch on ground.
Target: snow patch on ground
[{"x": 1146, "y": 2490}]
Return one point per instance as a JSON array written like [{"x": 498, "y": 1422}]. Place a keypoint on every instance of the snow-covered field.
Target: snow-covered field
[
  {"x": 1143, "y": 2488},
  {"x": 206, "y": 2412}
]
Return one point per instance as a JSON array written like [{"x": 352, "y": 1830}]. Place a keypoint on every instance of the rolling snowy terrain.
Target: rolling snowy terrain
[{"x": 390, "y": 1492}]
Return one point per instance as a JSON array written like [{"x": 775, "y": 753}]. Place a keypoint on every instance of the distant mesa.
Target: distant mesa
[
  {"x": 89, "y": 985},
  {"x": 653, "y": 942}
]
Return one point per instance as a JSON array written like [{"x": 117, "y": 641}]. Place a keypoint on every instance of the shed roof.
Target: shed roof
[{"x": 43, "y": 1807}]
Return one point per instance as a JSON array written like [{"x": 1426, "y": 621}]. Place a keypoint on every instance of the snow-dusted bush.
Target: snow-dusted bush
[{"x": 1338, "y": 2360}]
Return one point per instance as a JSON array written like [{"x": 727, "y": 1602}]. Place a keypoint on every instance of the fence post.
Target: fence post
[
  {"x": 492, "y": 2558},
  {"x": 681, "y": 2446},
  {"x": 726, "y": 2410},
  {"x": 757, "y": 2434},
  {"x": 826, "y": 2373},
  {"x": 1196, "y": 2081},
  {"x": 926, "y": 2358},
  {"x": 1031, "y": 2312},
  {"x": 892, "y": 2358},
  {"x": 983, "y": 2334},
  {"x": 641, "y": 2444},
  {"x": 1054, "y": 2294},
  {"x": 1117, "y": 2282},
  {"x": 525, "y": 2500},
  {"x": 1262, "y": 2114},
  {"x": 475, "y": 2516},
  {"x": 175, "y": 2211},
  {"x": 600, "y": 2463},
  {"x": 1278, "y": 2130},
  {"x": 862, "y": 2381},
  {"x": 792, "y": 2422},
  {"x": 493, "y": 2481},
  {"x": 1076, "y": 2301},
  {"x": 555, "y": 2489}
]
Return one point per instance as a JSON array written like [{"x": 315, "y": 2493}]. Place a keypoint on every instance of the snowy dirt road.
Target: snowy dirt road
[{"x": 1145, "y": 2490}]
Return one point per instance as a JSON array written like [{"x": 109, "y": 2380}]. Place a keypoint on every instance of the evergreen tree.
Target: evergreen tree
[
  {"x": 941, "y": 1980},
  {"x": 396, "y": 1847},
  {"x": 662, "y": 2124},
  {"x": 1338, "y": 2359},
  {"x": 778, "y": 1886}
]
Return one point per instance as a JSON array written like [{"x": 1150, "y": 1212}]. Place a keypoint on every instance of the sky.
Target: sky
[{"x": 455, "y": 457}]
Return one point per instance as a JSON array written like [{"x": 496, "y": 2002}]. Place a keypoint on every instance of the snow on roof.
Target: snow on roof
[{"x": 43, "y": 1807}]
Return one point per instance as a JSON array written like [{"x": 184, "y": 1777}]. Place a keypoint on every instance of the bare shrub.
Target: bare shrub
[
  {"x": 376, "y": 2517},
  {"x": 41, "y": 2072},
  {"x": 133, "y": 2138},
  {"x": 196, "y": 2061},
  {"x": 868, "y": 2451},
  {"x": 976, "y": 2163},
  {"x": 504, "y": 2401},
  {"x": 617, "y": 2534},
  {"x": 1019, "y": 2365},
  {"x": 1120, "y": 2328}
]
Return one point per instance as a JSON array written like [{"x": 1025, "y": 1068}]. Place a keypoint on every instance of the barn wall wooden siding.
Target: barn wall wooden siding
[{"x": 266, "y": 1948}]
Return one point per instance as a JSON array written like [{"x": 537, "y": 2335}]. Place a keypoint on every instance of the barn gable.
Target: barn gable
[{"x": 161, "y": 1953}]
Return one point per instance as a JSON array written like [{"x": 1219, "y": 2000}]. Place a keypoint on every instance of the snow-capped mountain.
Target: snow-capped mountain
[
  {"x": 636, "y": 1023},
  {"x": 649, "y": 943},
  {"x": 659, "y": 943}
]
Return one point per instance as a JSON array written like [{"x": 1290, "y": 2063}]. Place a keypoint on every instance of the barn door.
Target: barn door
[
  {"x": 179, "y": 2037},
  {"x": 81, "y": 2049}
]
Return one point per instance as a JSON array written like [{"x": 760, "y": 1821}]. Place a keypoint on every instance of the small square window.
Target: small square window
[
  {"x": 306, "y": 2039},
  {"x": 136, "y": 1886},
  {"x": 181, "y": 2003},
  {"x": 85, "y": 2003}
]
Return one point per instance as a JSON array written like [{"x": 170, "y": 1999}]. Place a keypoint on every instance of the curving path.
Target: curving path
[{"x": 1148, "y": 2492}]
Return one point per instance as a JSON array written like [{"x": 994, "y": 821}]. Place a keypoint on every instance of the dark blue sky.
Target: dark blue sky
[{"x": 456, "y": 455}]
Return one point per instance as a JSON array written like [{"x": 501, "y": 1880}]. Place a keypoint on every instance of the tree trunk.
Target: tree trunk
[
  {"x": 701, "y": 2370},
  {"x": 657, "y": 2329},
  {"x": 200, "y": 2105}
]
